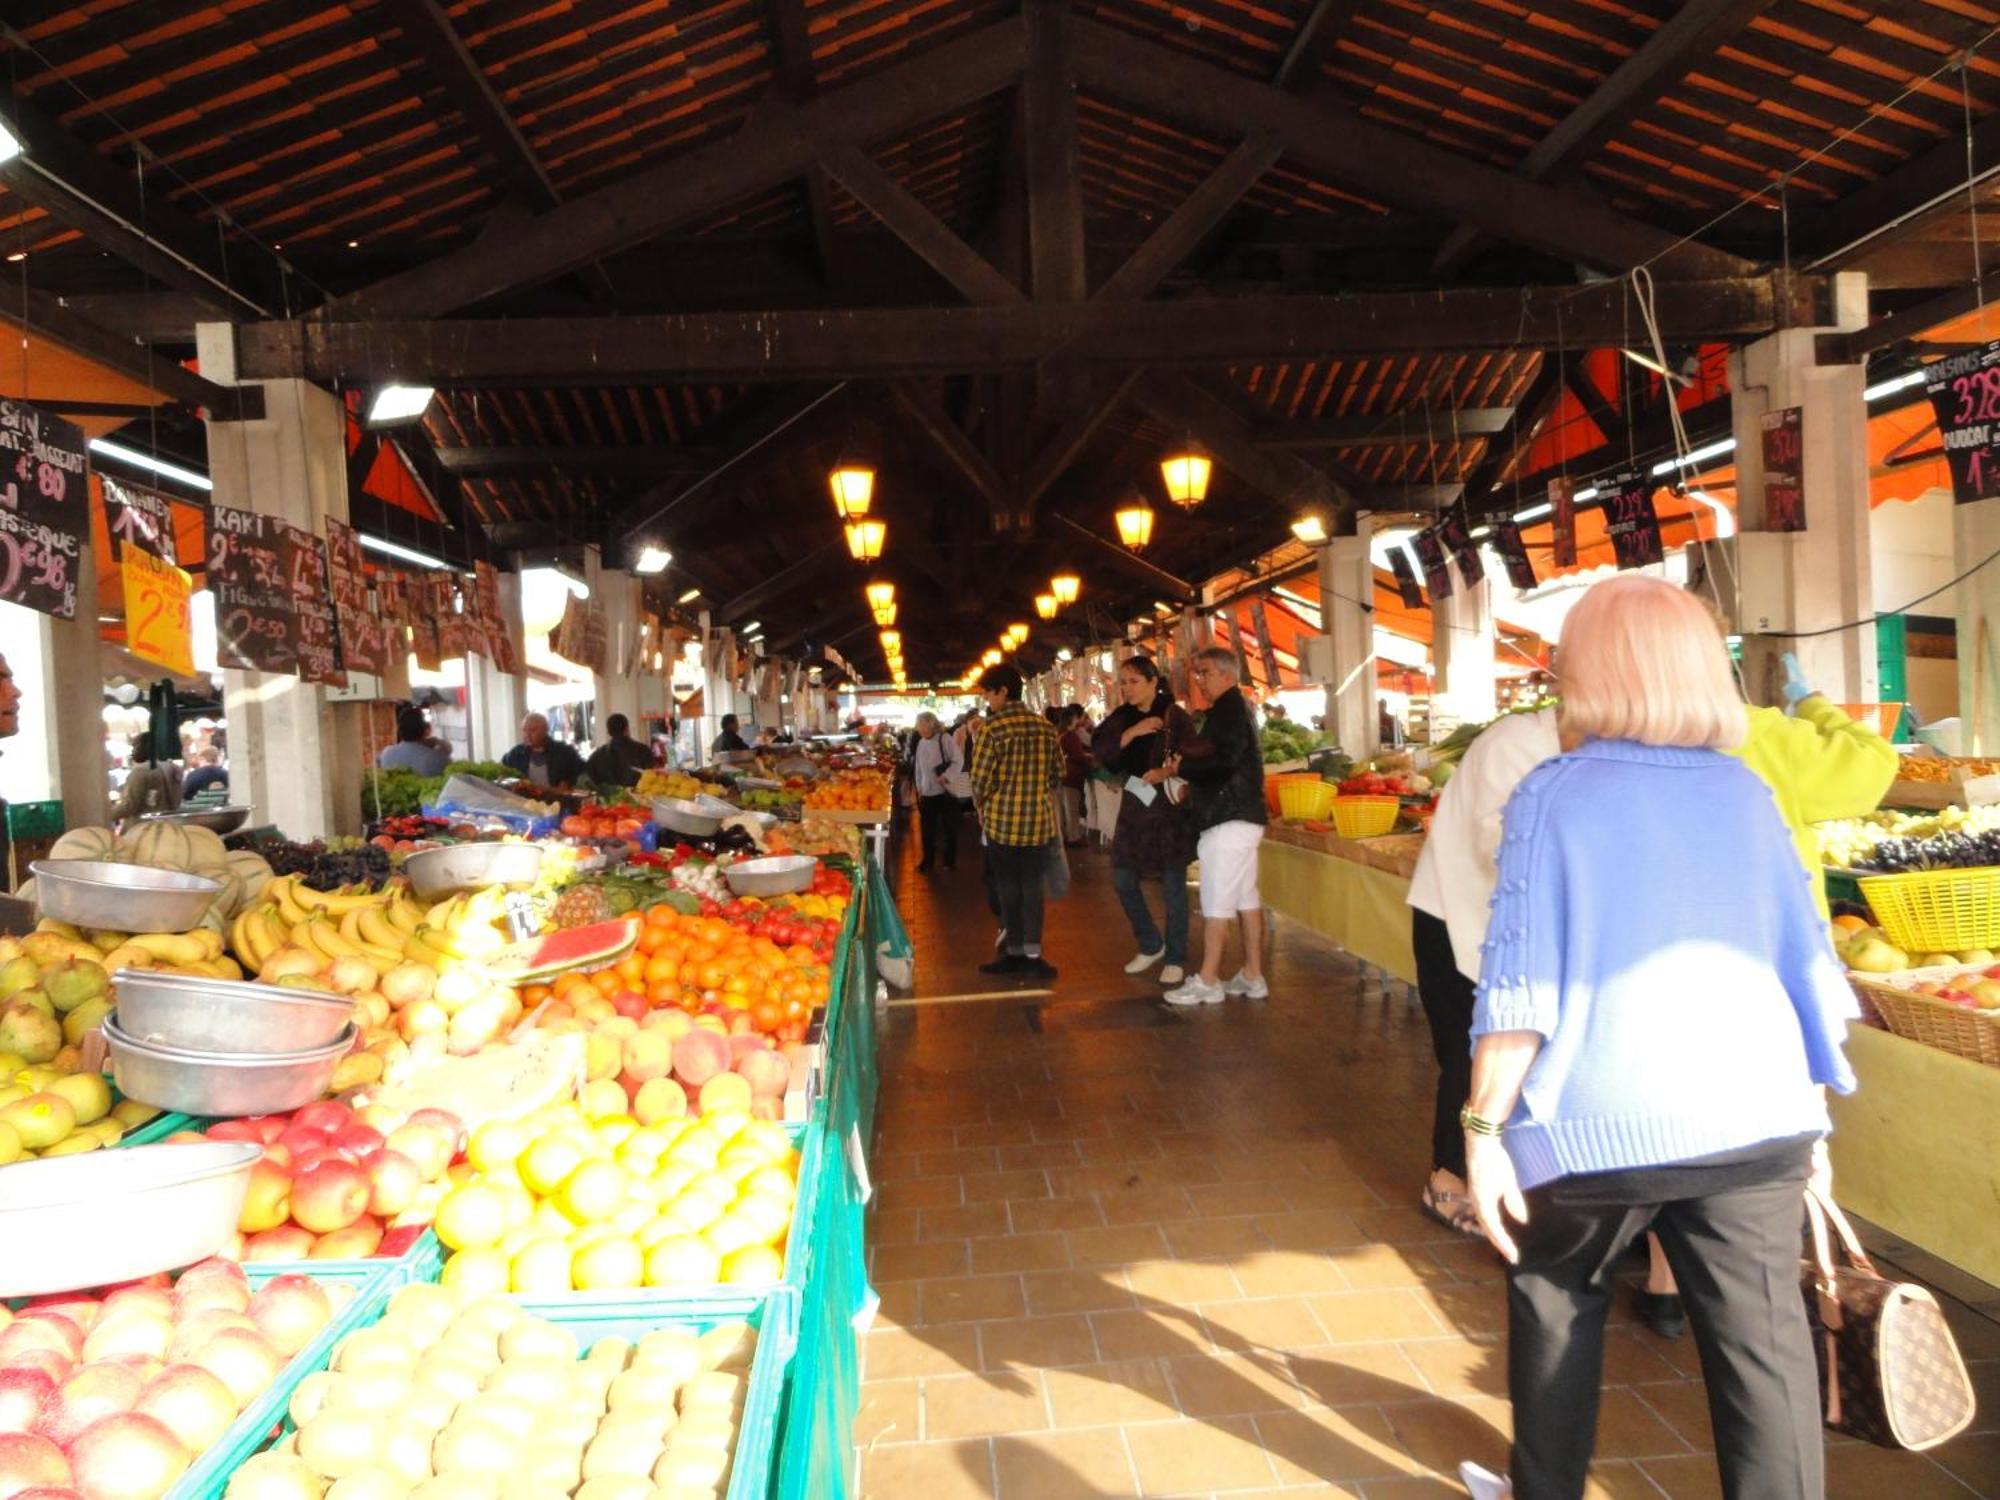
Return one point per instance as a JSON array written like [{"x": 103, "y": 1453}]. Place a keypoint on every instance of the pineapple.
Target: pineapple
[{"x": 579, "y": 906}]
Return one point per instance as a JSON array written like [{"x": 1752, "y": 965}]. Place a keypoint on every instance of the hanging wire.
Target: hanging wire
[{"x": 1971, "y": 178}]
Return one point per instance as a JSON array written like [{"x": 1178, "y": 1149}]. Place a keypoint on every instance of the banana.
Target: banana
[
  {"x": 405, "y": 915},
  {"x": 350, "y": 925},
  {"x": 103, "y": 938},
  {"x": 210, "y": 940},
  {"x": 422, "y": 948},
  {"x": 131, "y": 956},
  {"x": 226, "y": 967},
  {"x": 263, "y": 937},
  {"x": 284, "y": 891},
  {"x": 375, "y": 929},
  {"x": 335, "y": 903},
  {"x": 442, "y": 915},
  {"x": 239, "y": 937},
  {"x": 384, "y": 959},
  {"x": 326, "y": 937},
  {"x": 171, "y": 947}
]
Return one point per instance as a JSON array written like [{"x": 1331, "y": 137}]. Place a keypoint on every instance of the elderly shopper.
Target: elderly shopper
[{"x": 932, "y": 762}]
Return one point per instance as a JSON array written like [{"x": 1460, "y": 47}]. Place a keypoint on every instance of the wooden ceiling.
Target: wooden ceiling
[{"x": 668, "y": 259}]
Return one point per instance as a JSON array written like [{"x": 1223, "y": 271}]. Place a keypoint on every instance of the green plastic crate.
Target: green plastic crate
[
  {"x": 159, "y": 1128},
  {"x": 421, "y": 1262},
  {"x": 34, "y": 820},
  {"x": 774, "y": 1316}
]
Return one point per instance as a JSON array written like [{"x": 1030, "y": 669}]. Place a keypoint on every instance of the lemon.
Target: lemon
[
  {"x": 757, "y": 1266},
  {"x": 547, "y": 1161},
  {"x": 683, "y": 1260},
  {"x": 476, "y": 1271},
  {"x": 593, "y": 1192},
  {"x": 608, "y": 1265},
  {"x": 542, "y": 1265},
  {"x": 498, "y": 1143},
  {"x": 472, "y": 1217}
]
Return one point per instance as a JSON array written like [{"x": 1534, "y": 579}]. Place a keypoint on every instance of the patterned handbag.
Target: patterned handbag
[{"x": 1889, "y": 1370}]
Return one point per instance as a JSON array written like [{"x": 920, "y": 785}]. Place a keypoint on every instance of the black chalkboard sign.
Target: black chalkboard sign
[
  {"x": 1631, "y": 522},
  {"x": 256, "y": 618},
  {"x": 1456, "y": 535},
  {"x": 44, "y": 509},
  {"x": 312, "y": 601},
  {"x": 1406, "y": 578},
  {"x": 138, "y": 517},
  {"x": 1430, "y": 557},
  {"x": 1965, "y": 394},
  {"x": 1514, "y": 553}
]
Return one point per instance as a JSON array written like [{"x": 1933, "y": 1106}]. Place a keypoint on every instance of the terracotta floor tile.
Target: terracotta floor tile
[
  {"x": 1321, "y": 1492},
  {"x": 1117, "y": 1392},
  {"x": 892, "y": 1227},
  {"x": 1858, "y": 1471},
  {"x": 1043, "y": 1154},
  {"x": 1311, "y": 1229},
  {"x": 1352, "y": 1374},
  {"x": 895, "y": 1194},
  {"x": 1687, "y": 1478},
  {"x": 995, "y": 1133},
  {"x": 1402, "y": 1224},
  {"x": 1683, "y": 1406},
  {"x": 1318, "y": 1194},
  {"x": 1630, "y": 1359},
  {"x": 916, "y": 1262},
  {"x": 1466, "y": 1259},
  {"x": 1182, "y": 1282},
  {"x": 959, "y": 1299},
  {"x": 960, "y": 1162},
  {"x": 1263, "y": 1323},
  {"x": 1227, "y": 1200},
  {"x": 893, "y": 1353},
  {"x": 1020, "y": 1252},
  {"x": 1182, "y": 1458},
  {"x": 1618, "y": 1479},
  {"x": 1628, "y": 1428},
  {"x": 1194, "y": 1239},
  {"x": 900, "y": 1305},
  {"x": 1975, "y": 1459},
  {"x": 1075, "y": 1291},
  {"x": 1227, "y": 1385},
  {"x": 1116, "y": 1245},
  {"x": 1279, "y": 1273},
  {"x": 1145, "y": 1205},
  {"x": 962, "y": 1221},
  {"x": 1005, "y": 1187},
  {"x": 1482, "y": 1309},
  {"x": 936, "y": 1471},
  {"x": 1040, "y": 1343},
  {"x": 1146, "y": 1332},
  {"x": 1062, "y": 1466},
  {"x": 1038, "y": 1215},
  {"x": 1369, "y": 1266},
  {"x": 962, "y": 1406},
  {"x": 1355, "y": 1443},
  {"x": 1441, "y": 1434},
  {"x": 887, "y": 1414},
  {"x": 1402, "y": 1489},
  {"x": 1112, "y": 1150},
  {"x": 1462, "y": 1367},
  {"x": 1364, "y": 1317}
]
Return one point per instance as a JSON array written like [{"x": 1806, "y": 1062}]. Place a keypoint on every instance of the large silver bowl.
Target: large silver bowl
[
  {"x": 120, "y": 898},
  {"x": 72, "y": 1222},
  {"x": 215, "y": 819},
  {"x": 221, "y": 1083},
  {"x": 224, "y": 1015},
  {"x": 467, "y": 867},
  {"x": 680, "y": 815},
  {"x": 772, "y": 875}
]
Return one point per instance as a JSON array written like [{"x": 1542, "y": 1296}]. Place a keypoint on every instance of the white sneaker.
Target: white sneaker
[
  {"x": 1195, "y": 992},
  {"x": 1482, "y": 1484},
  {"x": 1172, "y": 974},
  {"x": 1141, "y": 962},
  {"x": 1254, "y": 989}
]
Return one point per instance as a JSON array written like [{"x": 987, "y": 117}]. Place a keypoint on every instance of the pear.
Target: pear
[
  {"x": 1876, "y": 956},
  {"x": 38, "y": 998},
  {"x": 29, "y": 1031},
  {"x": 70, "y": 984},
  {"x": 84, "y": 1017},
  {"x": 16, "y": 975},
  {"x": 88, "y": 1094}
]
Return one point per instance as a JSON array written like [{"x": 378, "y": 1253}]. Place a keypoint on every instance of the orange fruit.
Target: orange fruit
[
  {"x": 682, "y": 1260},
  {"x": 472, "y": 1217},
  {"x": 757, "y": 1265},
  {"x": 607, "y": 1265}
]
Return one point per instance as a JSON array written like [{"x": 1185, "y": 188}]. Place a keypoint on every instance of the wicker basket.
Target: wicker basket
[
  {"x": 1301, "y": 800},
  {"x": 1937, "y": 911},
  {"x": 1949, "y": 1028},
  {"x": 1365, "y": 817}
]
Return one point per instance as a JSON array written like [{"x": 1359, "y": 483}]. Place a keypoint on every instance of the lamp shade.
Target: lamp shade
[
  {"x": 991, "y": 658},
  {"x": 865, "y": 539},
  {"x": 1310, "y": 528},
  {"x": 1065, "y": 586},
  {"x": 885, "y": 614},
  {"x": 1017, "y": 632},
  {"x": 881, "y": 592},
  {"x": 1046, "y": 606},
  {"x": 853, "y": 487},
  {"x": 892, "y": 641},
  {"x": 1186, "y": 471},
  {"x": 1135, "y": 523}
]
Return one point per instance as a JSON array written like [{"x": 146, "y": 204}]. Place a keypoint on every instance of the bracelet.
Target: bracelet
[{"x": 1473, "y": 1124}]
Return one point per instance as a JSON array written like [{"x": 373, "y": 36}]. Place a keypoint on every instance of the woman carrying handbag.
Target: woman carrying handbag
[{"x": 1154, "y": 832}]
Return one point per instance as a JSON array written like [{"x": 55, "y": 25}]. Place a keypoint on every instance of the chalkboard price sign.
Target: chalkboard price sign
[
  {"x": 1965, "y": 395},
  {"x": 364, "y": 638},
  {"x": 1456, "y": 535},
  {"x": 44, "y": 509},
  {"x": 1631, "y": 522},
  {"x": 1406, "y": 578},
  {"x": 305, "y": 573},
  {"x": 1514, "y": 553},
  {"x": 256, "y": 617},
  {"x": 1430, "y": 557},
  {"x": 140, "y": 518}
]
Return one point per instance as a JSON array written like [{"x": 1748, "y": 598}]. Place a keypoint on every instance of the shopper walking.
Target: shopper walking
[
  {"x": 1659, "y": 1010},
  {"x": 1224, "y": 765},
  {"x": 931, "y": 763},
  {"x": 1074, "y": 741},
  {"x": 1154, "y": 834},
  {"x": 1016, "y": 768}
]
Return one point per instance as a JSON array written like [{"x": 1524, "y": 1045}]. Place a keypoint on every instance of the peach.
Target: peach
[
  {"x": 286, "y": 1242},
  {"x": 41, "y": 1328},
  {"x": 647, "y": 1055},
  {"x": 329, "y": 1195},
  {"x": 601, "y": 1098},
  {"x": 191, "y": 1402},
  {"x": 143, "y": 1333},
  {"x": 742, "y": 1044},
  {"x": 632, "y": 1007},
  {"x": 672, "y": 1023},
  {"x": 290, "y": 1311},
  {"x": 269, "y": 1200},
  {"x": 127, "y": 1457},
  {"x": 393, "y": 1180},
  {"x": 82, "y": 1311},
  {"x": 408, "y": 983},
  {"x": 244, "y": 1362},
  {"x": 766, "y": 1071},
  {"x": 357, "y": 1241},
  {"x": 699, "y": 1056},
  {"x": 23, "y": 1394},
  {"x": 351, "y": 974},
  {"x": 212, "y": 1283},
  {"x": 158, "y": 1300},
  {"x": 90, "y": 1392},
  {"x": 659, "y": 1099},
  {"x": 48, "y": 1361},
  {"x": 723, "y": 1092},
  {"x": 196, "y": 1329},
  {"x": 27, "y": 1461}
]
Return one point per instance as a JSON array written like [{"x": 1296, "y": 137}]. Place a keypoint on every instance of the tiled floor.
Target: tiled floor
[{"x": 1125, "y": 1251}]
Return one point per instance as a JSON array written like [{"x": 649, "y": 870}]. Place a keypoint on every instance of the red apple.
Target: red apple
[
  {"x": 357, "y": 1241},
  {"x": 268, "y": 1203},
  {"x": 324, "y": 1115},
  {"x": 393, "y": 1180},
  {"x": 355, "y": 1140},
  {"x": 23, "y": 1394},
  {"x": 429, "y": 1147},
  {"x": 399, "y": 1240},
  {"x": 27, "y": 1461},
  {"x": 329, "y": 1195},
  {"x": 442, "y": 1119},
  {"x": 235, "y": 1130},
  {"x": 286, "y": 1242},
  {"x": 308, "y": 1159},
  {"x": 245, "y": 1362},
  {"x": 299, "y": 1140},
  {"x": 278, "y": 1155},
  {"x": 128, "y": 1457},
  {"x": 290, "y": 1311},
  {"x": 191, "y": 1402},
  {"x": 91, "y": 1392}
]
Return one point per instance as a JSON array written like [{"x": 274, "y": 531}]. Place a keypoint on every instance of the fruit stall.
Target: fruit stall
[{"x": 462, "y": 1161}]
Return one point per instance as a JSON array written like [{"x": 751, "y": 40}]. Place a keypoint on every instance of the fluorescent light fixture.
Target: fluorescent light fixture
[
  {"x": 1647, "y": 362},
  {"x": 1533, "y": 513},
  {"x": 1696, "y": 456},
  {"x": 10, "y": 144},
  {"x": 752, "y": 628},
  {"x": 652, "y": 559},
  {"x": 400, "y": 403},
  {"x": 1064, "y": 654},
  {"x": 1725, "y": 518},
  {"x": 1479, "y": 533},
  {"x": 406, "y": 554},
  {"x": 1310, "y": 529},
  {"x": 1892, "y": 385},
  {"x": 153, "y": 465},
  {"x": 689, "y": 597},
  {"x": 1584, "y": 496}
]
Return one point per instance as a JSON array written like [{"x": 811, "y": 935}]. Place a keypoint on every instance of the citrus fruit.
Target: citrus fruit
[
  {"x": 682, "y": 1260},
  {"x": 472, "y": 1217},
  {"x": 547, "y": 1161},
  {"x": 759, "y": 1265},
  {"x": 497, "y": 1143},
  {"x": 731, "y": 1233},
  {"x": 608, "y": 1265},
  {"x": 593, "y": 1192},
  {"x": 542, "y": 1265},
  {"x": 476, "y": 1271}
]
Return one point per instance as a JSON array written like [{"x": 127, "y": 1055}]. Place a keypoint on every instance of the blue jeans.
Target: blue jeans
[{"x": 1173, "y": 898}]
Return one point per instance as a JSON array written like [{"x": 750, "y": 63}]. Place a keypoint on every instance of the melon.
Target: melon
[
  {"x": 164, "y": 846},
  {"x": 84, "y": 843},
  {"x": 27, "y": 889},
  {"x": 251, "y": 870},
  {"x": 572, "y": 948},
  {"x": 205, "y": 845},
  {"x": 504, "y": 1082}
]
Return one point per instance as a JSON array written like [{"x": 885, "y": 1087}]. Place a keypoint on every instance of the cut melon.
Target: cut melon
[
  {"x": 503, "y": 1082},
  {"x": 575, "y": 948}
]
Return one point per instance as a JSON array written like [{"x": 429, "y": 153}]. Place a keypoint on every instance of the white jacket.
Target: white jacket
[{"x": 1456, "y": 872}]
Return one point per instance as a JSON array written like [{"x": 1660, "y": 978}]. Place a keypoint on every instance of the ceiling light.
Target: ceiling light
[
  {"x": 1533, "y": 513},
  {"x": 1647, "y": 362},
  {"x": 892, "y": 640},
  {"x": 689, "y": 597},
  {"x": 881, "y": 592},
  {"x": 865, "y": 539},
  {"x": 652, "y": 559},
  {"x": 1046, "y": 606},
  {"x": 885, "y": 614},
  {"x": 1017, "y": 632},
  {"x": 10, "y": 144},
  {"x": 752, "y": 628},
  {"x": 1186, "y": 471},
  {"x": 1696, "y": 456},
  {"x": 1065, "y": 586},
  {"x": 1064, "y": 654},
  {"x": 990, "y": 658},
  {"x": 1892, "y": 385},
  {"x": 398, "y": 550},
  {"x": 17, "y": 257},
  {"x": 1310, "y": 529},
  {"x": 1725, "y": 518},
  {"x": 853, "y": 487},
  {"x": 1135, "y": 522},
  {"x": 149, "y": 463},
  {"x": 399, "y": 403}
]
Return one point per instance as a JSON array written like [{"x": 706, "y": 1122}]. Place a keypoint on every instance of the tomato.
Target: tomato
[{"x": 576, "y": 827}]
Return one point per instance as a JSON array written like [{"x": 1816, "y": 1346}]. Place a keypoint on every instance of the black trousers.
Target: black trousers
[
  {"x": 1015, "y": 871},
  {"x": 1447, "y": 997},
  {"x": 1735, "y": 1254},
  {"x": 938, "y": 817}
]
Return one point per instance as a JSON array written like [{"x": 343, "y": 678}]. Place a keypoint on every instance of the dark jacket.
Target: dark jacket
[
  {"x": 619, "y": 762},
  {"x": 1157, "y": 837},
  {"x": 565, "y": 764},
  {"x": 1224, "y": 765}
]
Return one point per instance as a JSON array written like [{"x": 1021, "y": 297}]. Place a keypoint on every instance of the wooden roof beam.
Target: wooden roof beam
[
  {"x": 1682, "y": 41},
  {"x": 430, "y": 34},
  {"x": 1536, "y": 405},
  {"x": 1388, "y": 429},
  {"x": 919, "y": 228},
  {"x": 1380, "y": 162},
  {"x": 46, "y": 316},
  {"x": 1177, "y": 402},
  {"x": 777, "y": 143},
  {"x": 792, "y": 61},
  {"x": 958, "y": 449},
  {"x": 1055, "y": 195},
  {"x": 1314, "y": 42},
  {"x": 638, "y": 458},
  {"x": 1194, "y": 219}
]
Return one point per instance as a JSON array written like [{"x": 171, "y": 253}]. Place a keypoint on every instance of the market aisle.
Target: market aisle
[{"x": 1125, "y": 1251}]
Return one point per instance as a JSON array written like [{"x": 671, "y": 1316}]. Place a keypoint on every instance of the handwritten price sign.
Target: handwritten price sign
[
  {"x": 157, "y": 626},
  {"x": 43, "y": 512},
  {"x": 1965, "y": 395}
]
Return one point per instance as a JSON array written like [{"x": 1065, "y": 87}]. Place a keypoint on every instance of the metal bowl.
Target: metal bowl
[
  {"x": 120, "y": 898},
  {"x": 224, "y": 1015},
  {"x": 67, "y": 1221},
  {"x": 680, "y": 815},
  {"x": 773, "y": 875},
  {"x": 215, "y": 819},
  {"x": 465, "y": 867},
  {"x": 221, "y": 1083}
]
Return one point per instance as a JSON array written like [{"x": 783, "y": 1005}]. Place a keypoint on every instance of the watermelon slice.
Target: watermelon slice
[{"x": 575, "y": 948}]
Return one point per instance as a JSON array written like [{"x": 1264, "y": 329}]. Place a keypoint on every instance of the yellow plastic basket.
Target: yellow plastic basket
[
  {"x": 1365, "y": 817},
  {"x": 1937, "y": 911},
  {"x": 1300, "y": 800}
]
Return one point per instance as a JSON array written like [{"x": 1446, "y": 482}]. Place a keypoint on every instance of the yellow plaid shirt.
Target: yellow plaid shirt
[{"x": 1016, "y": 764}]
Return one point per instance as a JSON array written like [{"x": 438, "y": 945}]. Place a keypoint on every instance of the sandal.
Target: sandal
[{"x": 1453, "y": 1210}]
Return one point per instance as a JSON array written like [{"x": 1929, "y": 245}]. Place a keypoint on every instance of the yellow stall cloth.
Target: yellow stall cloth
[{"x": 1331, "y": 890}]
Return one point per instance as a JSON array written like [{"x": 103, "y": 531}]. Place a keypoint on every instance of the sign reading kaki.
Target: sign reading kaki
[{"x": 157, "y": 625}]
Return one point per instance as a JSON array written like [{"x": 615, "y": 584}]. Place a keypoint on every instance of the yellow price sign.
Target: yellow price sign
[{"x": 157, "y": 626}]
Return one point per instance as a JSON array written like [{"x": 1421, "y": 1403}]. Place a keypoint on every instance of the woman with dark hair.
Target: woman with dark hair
[{"x": 1154, "y": 834}]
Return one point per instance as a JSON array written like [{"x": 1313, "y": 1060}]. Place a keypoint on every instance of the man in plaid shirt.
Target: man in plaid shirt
[{"x": 1016, "y": 766}]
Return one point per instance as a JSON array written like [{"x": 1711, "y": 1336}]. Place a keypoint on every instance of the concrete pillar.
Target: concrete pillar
[
  {"x": 1346, "y": 592},
  {"x": 1462, "y": 649},
  {"x": 498, "y": 702},
  {"x": 1806, "y": 580},
  {"x": 294, "y": 757},
  {"x": 618, "y": 594},
  {"x": 1976, "y": 535}
]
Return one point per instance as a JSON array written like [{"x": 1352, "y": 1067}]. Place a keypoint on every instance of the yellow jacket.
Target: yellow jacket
[{"x": 1820, "y": 765}]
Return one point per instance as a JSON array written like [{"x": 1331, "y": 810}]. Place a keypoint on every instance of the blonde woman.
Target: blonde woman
[{"x": 1659, "y": 1011}]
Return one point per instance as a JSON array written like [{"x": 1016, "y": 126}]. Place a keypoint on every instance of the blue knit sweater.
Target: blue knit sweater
[{"x": 1651, "y": 922}]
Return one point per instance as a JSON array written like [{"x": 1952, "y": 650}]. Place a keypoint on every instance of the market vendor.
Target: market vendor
[
  {"x": 730, "y": 739},
  {"x": 620, "y": 759},
  {"x": 544, "y": 761},
  {"x": 415, "y": 749}
]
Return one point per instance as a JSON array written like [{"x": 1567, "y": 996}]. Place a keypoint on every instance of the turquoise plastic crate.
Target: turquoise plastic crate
[
  {"x": 421, "y": 1262},
  {"x": 774, "y": 1315},
  {"x": 159, "y": 1128}
]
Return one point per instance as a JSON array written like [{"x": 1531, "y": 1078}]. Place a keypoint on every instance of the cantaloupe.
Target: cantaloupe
[
  {"x": 252, "y": 870},
  {"x": 205, "y": 846},
  {"x": 164, "y": 846},
  {"x": 84, "y": 843}
]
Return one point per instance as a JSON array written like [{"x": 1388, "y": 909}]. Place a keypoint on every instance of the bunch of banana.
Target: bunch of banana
[
  {"x": 197, "y": 952},
  {"x": 460, "y": 927},
  {"x": 372, "y": 925}
]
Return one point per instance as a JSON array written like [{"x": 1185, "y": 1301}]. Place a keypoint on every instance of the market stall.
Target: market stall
[{"x": 1353, "y": 892}]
